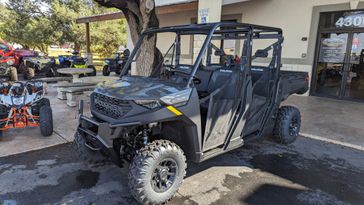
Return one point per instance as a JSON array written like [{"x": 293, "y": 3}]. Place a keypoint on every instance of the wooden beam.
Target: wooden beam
[
  {"x": 192, "y": 6},
  {"x": 101, "y": 17}
]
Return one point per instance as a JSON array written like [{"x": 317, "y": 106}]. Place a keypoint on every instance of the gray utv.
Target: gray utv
[{"x": 226, "y": 95}]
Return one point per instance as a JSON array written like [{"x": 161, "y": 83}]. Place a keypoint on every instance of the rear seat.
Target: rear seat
[{"x": 217, "y": 80}]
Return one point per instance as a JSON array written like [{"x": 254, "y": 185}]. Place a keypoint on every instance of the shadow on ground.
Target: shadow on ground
[{"x": 256, "y": 174}]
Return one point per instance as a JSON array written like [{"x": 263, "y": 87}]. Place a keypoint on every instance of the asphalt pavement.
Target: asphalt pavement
[{"x": 308, "y": 172}]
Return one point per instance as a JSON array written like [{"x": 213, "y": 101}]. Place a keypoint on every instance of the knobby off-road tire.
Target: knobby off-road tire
[
  {"x": 46, "y": 120},
  {"x": 30, "y": 73},
  {"x": 105, "y": 71},
  {"x": 88, "y": 156},
  {"x": 288, "y": 124},
  {"x": 42, "y": 102},
  {"x": 13, "y": 74},
  {"x": 159, "y": 160}
]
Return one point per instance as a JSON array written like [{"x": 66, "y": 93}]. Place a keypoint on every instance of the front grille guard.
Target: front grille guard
[{"x": 109, "y": 106}]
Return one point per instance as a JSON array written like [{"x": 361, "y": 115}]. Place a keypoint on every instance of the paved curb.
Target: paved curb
[
  {"x": 345, "y": 144},
  {"x": 63, "y": 139}
]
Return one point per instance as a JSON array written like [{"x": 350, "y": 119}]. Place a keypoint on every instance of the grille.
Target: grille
[{"x": 109, "y": 106}]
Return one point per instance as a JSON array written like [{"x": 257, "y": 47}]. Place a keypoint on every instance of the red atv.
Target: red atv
[
  {"x": 18, "y": 54},
  {"x": 7, "y": 69}
]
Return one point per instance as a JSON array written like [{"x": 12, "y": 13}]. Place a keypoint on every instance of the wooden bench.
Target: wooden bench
[
  {"x": 53, "y": 80},
  {"x": 74, "y": 94},
  {"x": 63, "y": 86}
]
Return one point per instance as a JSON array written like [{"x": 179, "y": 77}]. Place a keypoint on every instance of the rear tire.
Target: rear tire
[
  {"x": 288, "y": 125},
  {"x": 88, "y": 156},
  {"x": 105, "y": 71},
  {"x": 46, "y": 120},
  {"x": 30, "y": 73},
  {"x": 157, "y": 172},
  {"x": 94, "y": 70}
]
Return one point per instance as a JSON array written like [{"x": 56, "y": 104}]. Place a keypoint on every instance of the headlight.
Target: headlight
[
  {"x": 151, "y": 104},
  {"x": 179, "y": 98},
  {"x": 10, "y": 62},
  {"x": 107, "y": 61},
  {"x": 120, "y": 62},
  {"x": 18, "y": 101}
]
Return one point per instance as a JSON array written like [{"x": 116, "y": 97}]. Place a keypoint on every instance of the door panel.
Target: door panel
[
  {"x": 354, "y": 79},
  {"x": 331, "y": 63},
  {"x": 223, "y": 104}
]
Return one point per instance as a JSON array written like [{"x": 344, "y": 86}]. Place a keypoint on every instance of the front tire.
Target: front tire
[
  {"x": 105, "y": 71},
  {"x": 46, "y": 121},
  {"x": 288, "y": 125},
  {"x": 157, "y": 172}
]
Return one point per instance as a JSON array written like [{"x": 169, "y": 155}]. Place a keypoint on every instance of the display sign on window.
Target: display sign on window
[{"x": 332, "y": 50}]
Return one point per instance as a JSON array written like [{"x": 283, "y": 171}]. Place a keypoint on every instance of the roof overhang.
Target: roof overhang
[{"x": 164, "y": 9}]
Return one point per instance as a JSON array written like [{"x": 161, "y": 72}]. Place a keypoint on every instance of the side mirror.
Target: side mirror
[{"x": 261, "y": 53}]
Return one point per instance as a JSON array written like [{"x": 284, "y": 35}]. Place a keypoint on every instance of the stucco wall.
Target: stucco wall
[{"x": 293, "y": 16}]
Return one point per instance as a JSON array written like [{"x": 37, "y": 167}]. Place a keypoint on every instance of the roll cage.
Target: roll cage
[{"x": 221, "y": 31}]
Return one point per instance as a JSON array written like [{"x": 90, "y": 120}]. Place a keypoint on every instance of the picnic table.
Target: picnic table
[
  {"x": 73, "y": 92},
  {"x": 75, "y": 72}
]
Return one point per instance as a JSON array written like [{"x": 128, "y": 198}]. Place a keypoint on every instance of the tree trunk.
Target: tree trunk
[{"x": 140, "y": 15}]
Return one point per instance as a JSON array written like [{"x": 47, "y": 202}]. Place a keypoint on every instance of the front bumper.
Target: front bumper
[{"x": 100, "y": 136}]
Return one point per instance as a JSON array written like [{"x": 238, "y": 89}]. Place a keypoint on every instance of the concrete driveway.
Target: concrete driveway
[{"x": 308, "y": 172}]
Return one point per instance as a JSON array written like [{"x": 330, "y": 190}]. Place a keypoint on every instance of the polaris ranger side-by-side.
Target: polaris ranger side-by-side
[{"x": 197, "y": 108}]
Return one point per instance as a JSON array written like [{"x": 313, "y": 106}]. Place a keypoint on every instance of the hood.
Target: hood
[{"x": 138, "y": 88}]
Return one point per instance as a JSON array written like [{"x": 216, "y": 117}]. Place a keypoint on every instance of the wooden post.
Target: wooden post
[{"x": 88, "y": 43}]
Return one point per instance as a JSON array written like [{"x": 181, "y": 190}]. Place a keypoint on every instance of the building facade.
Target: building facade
[{"x": 322, "y": 37}]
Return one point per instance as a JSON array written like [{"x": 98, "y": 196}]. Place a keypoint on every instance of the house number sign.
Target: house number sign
[{"x": 351, "y": 20}]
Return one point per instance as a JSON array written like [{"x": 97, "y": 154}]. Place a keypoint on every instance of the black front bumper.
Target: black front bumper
[{"x": 102, "y": 135}]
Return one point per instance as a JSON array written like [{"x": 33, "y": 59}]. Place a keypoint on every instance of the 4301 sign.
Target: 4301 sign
[{"x": 350, "y": 21}]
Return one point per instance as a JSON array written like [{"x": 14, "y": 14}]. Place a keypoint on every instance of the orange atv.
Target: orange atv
[{"x": 23, "y": 105}]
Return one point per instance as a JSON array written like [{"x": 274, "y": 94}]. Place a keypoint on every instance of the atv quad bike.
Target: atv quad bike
[
  {"x": 23, "y": 105},
  {"x": 76, "y": 61},
  {"x": 41, "y": 65},
  {"x": 7, "y": 70},
  {"x": 115, "y": 64},
  {"x": 191, "y": 111}
]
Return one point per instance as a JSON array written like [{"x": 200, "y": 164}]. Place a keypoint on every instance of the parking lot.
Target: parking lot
[{"x": 307, "y": 172}]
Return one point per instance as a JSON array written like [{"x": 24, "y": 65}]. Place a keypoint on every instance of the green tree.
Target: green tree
[
  {"x": 140, "y": 15},
  {"x": 40, "y": 23}
]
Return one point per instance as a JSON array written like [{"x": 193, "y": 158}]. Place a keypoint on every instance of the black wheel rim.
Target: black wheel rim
[
  {"x": 294, "y": 127},
  {"x": 164, "y": 175}
]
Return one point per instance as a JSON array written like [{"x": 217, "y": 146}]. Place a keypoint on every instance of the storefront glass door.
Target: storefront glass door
[
  {"x": 331, "y": 63},
  {"x": 354, "y": 83}
]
